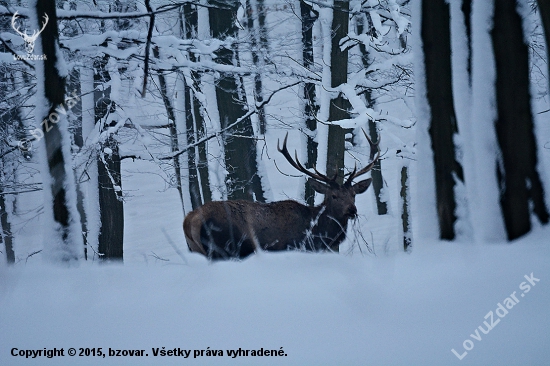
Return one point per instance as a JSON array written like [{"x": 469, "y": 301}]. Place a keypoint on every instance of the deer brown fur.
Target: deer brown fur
[{"x": 236, "y": 229}]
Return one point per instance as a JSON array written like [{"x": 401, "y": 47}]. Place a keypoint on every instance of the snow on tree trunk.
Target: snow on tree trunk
[
  {"x": 309, "y": 16},
  {"x": 462, "y": 95},
  {"x": 339, "y": 106},
  {"x": 171, "y": 113},
  {"x": 484, "y": 205},
  {"x": 110, "y": 244},
  {"x": 63, "y": 236},
  {"x": 424, "y": 202},
  {"x": 243, "y": 181},
  {"x": 6, "y": 236},
  {"x": 197, "y": 162},
  {"x": 86, "y": 164},
  {"x": 253, "y": 12},
  {"x": 364, "y": 26}
]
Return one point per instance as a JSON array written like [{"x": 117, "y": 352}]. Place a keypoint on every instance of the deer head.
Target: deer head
[
  {"x": 29, "y": 40},
  {"x": 339, "y": 199}
]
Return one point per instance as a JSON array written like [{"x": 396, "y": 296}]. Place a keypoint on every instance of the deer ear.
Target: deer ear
[
  {"x": 318, "y": 186},
  {"x": 362, "y": 186}
]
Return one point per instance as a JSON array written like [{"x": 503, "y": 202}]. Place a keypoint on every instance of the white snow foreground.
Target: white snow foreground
[{"x": 320, "y": 309}]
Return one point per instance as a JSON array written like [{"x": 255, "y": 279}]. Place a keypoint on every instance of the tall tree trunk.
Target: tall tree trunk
[
  {"x": 74, "y": 87},
  {"x": 339, "y": 106},
  {"x": 6, "y": 236},
  {"x": 67, "y": 243},
  {"x": 309, "y": 16},
  {"x": 170, "y": 111},
  {"x": 467, "y": 12},
  {"x": 544, "y": 7},
  {"x": 405, "y": 209},
  {"x": 242, "y": 178},
  {"x": 199, "y": 184},
  {"x": 436, "y": 38},
  {"x": 11, "y": 129},
  {"x": 519, "y": 180},
  {"x": 255, "y": 48},
  {"x": 376, "y": 173},
  {"x": 111, "y": 206}
]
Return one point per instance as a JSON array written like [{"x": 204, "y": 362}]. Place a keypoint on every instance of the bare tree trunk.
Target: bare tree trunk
[
  {"x": 74, "y": 86},
  {"x": 6, "y": 236},
  {"x": 309, "y": 16},
  {"x": 519, "y": 180},
  {"x": 436, "y": 39},
  {"x": 376, "y": 173},
  {"x": 405, "y": 209},
  {"x": 339, "y": 107},
  {"x": 111, "y": 206},
  {"x": 242, "y": 179},
  {"x": 170, "y": 111},
  {"x": 199, "y": 185},
  {"x": 544, "y": 7},
  {"x": 65, "y": 215},
  {"x": 255, "y": 49}
]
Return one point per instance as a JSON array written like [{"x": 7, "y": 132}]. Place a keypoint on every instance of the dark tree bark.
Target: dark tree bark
[
  {"x": 519, "y": 180},
  {"x": 376, "y": 173},
  {"x": 11, "y": 128},
  {"x": 242, "y": 179},
  {"x": 309, "y": 16},
  {"x": 73, "y": 87},
  {"x": 54, "y": 92},
  {"x": 6, "y": 236},
  {"x": 405, "y": 209},
  {"x": 258, "y": 62},
  {"x": 111, "y": 205},
  {"x": 339, "y": 106},
  {"x": 467, "y": 12},
  {"x": 544, "y": 8},
  {"x": 435, "y": 33}
]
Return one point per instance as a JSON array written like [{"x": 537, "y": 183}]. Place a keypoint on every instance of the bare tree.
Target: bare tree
[
  {"x": 522, "y": 192},
  {"x": 436, "y": 38},
  {"x": 67, "y": 242},
  {"x": 243, "y": 181}
]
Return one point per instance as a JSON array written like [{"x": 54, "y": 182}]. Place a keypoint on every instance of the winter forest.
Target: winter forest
[{"x": 364, "y": 181}]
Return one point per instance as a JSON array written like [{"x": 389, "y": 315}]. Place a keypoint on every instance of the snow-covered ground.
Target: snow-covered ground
[{"x": 322, "y": 309}]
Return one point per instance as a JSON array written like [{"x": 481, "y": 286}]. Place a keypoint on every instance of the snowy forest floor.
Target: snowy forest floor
[{"x": 323, "y": 309}]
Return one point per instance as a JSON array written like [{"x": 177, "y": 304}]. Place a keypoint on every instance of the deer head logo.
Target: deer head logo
[{"x": 29, "y": 40}]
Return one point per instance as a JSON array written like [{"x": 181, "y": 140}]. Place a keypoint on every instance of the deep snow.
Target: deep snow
[{"x": 323, "y": 309}]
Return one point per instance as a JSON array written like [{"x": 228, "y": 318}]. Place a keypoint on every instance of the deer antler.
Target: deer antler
[
  {"x": 374, "y": 150},
  {"x": 296, "y": 164},
  {"x": 35, "y": 34},
  {"x": 15, "y": 16}
]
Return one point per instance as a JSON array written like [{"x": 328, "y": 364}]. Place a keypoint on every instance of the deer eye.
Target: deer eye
[{"x": 333, "y": 196}]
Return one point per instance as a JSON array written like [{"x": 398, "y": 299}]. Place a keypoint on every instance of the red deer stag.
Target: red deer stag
[{"x": 236, "y": 229}]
